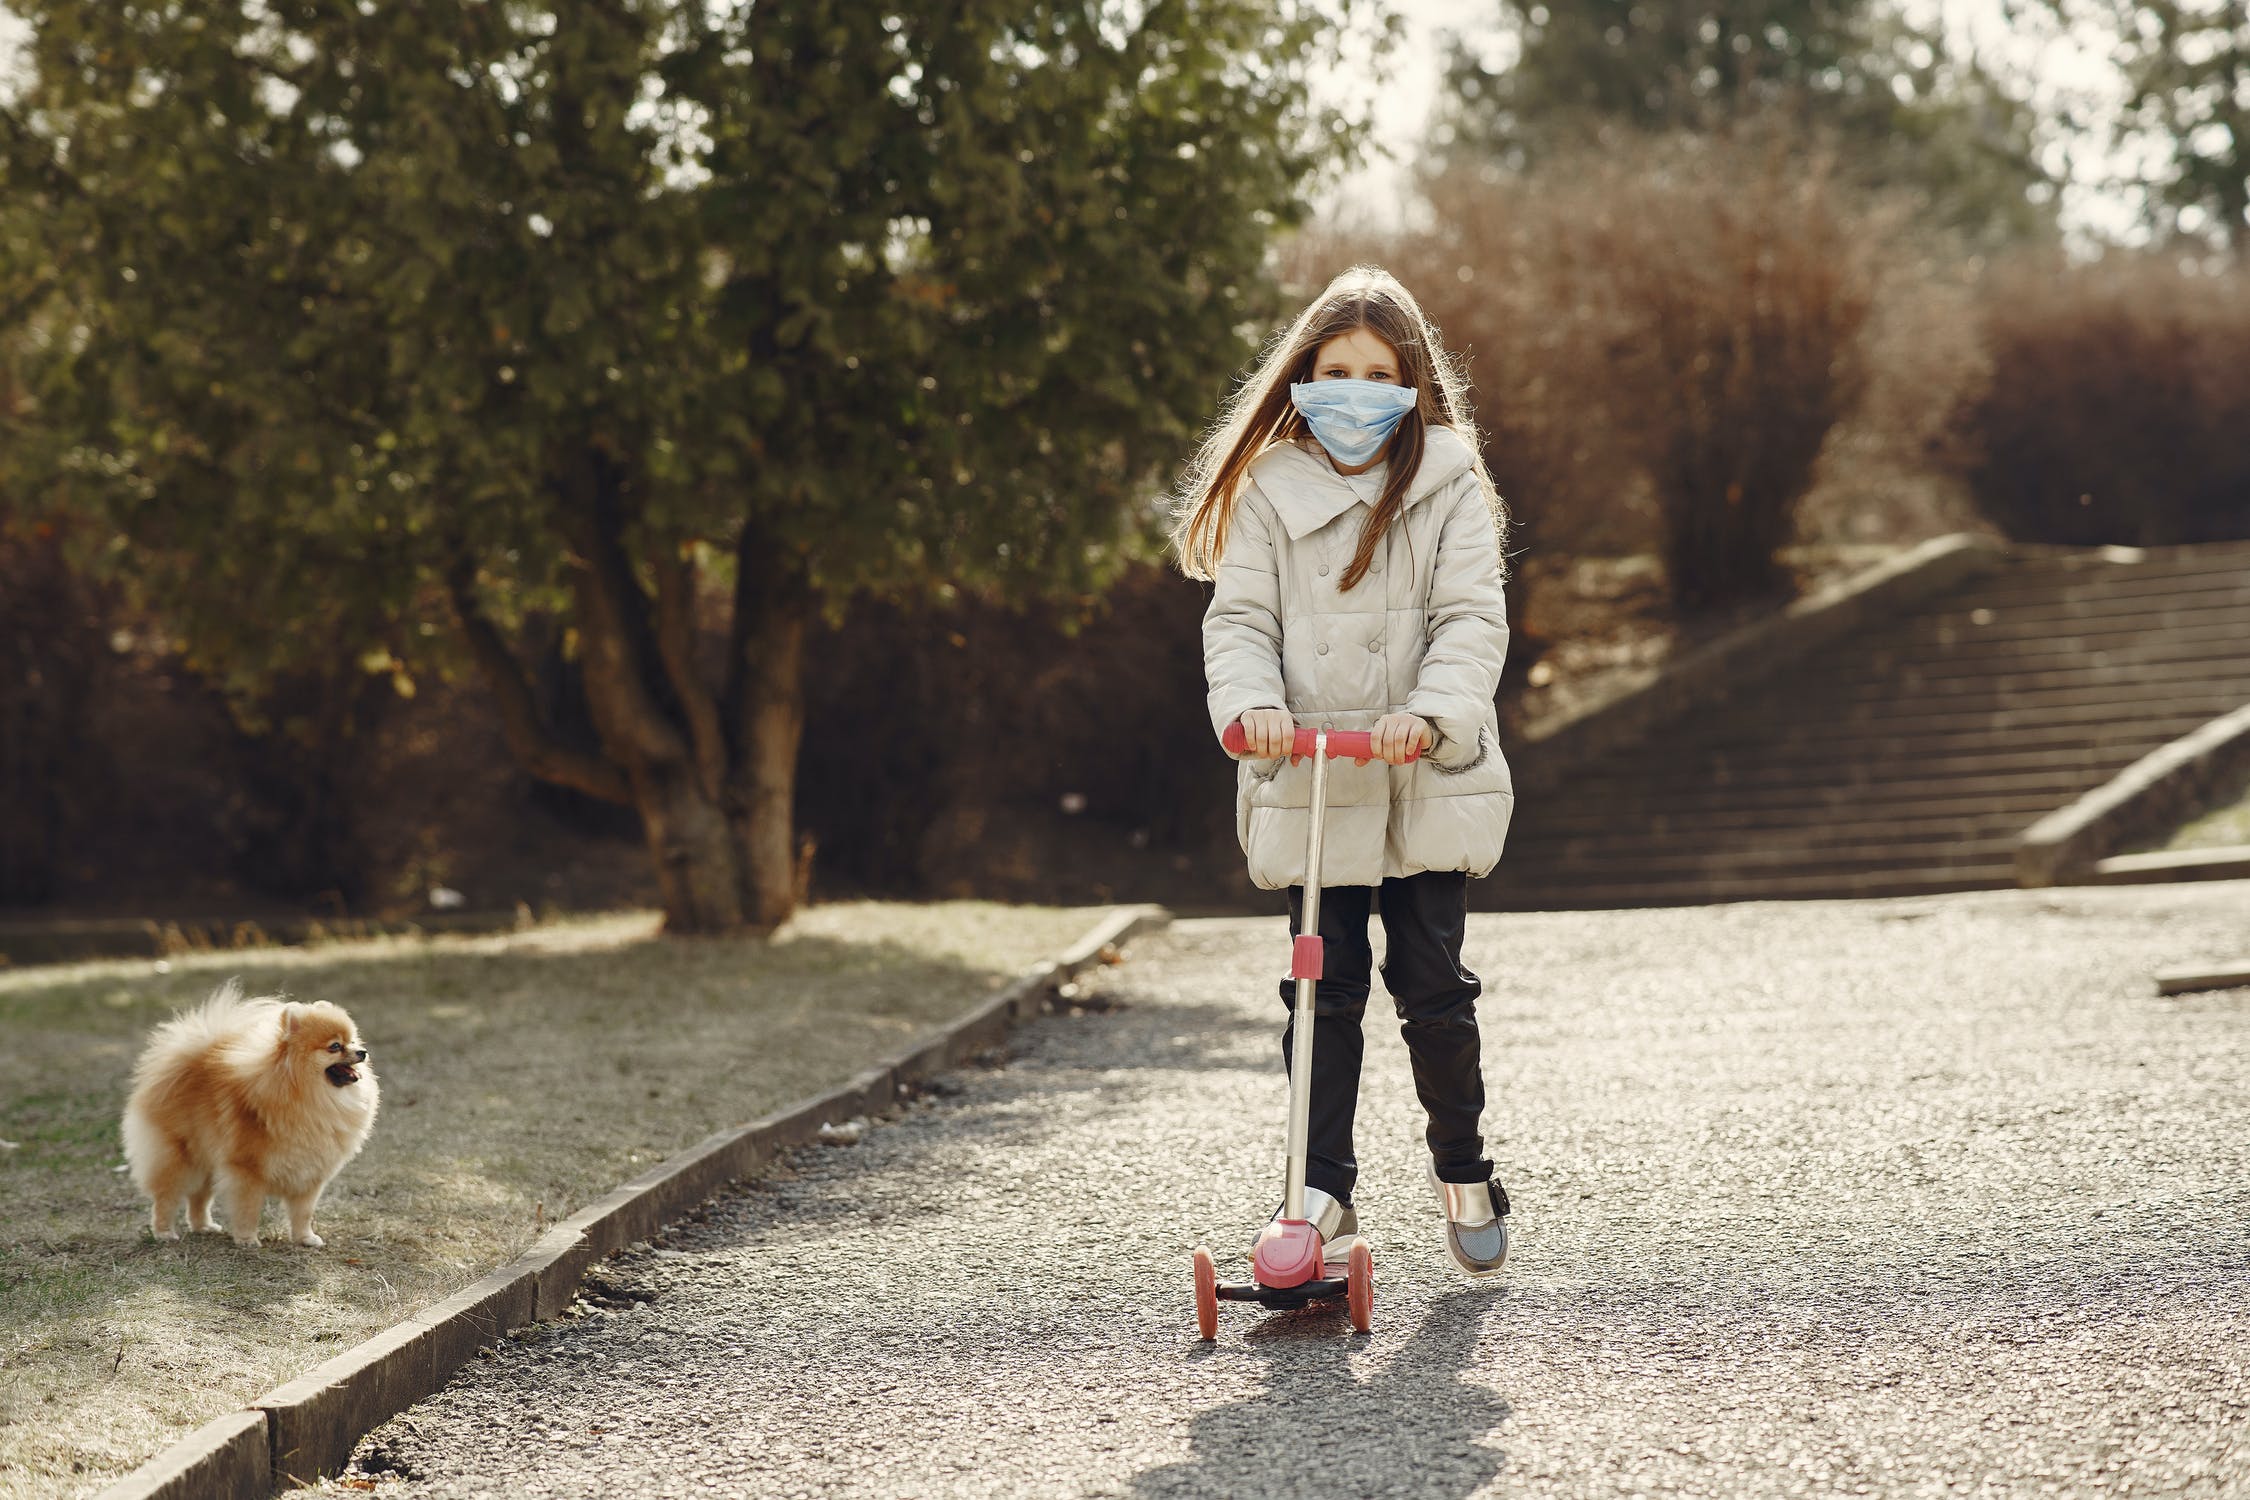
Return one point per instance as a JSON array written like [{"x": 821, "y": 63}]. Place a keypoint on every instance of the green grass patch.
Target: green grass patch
[{"x": 522, "y": 1076}]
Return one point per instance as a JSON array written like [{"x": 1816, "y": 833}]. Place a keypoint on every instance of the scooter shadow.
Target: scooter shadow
[{"x": 1413, "y": 1425}]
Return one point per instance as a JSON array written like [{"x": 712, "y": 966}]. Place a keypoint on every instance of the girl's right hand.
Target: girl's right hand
[{"x": 1270, "y": 732}]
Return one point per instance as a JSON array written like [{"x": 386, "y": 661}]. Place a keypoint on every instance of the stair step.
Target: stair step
[
  {"x": 2214, "y": 672},
  {"x": 1792, "y": 806},
  {"x": 1678, "y": 860},
  {"x": 1694, "y": 769},
  {"x": 1543, "y": 818},
  {"x": 1911, "y": 757},
  {"x": 1562, "y": 896},
  {"x": 2128, "y": 580},
  {"x": 1814, "y": 834},
  {"x": 2023, "y": 728},
  {"x": 1881, "y": 659},
  {"x": 2226, "y": 589},
  {"x": 1936, "y": 632}
]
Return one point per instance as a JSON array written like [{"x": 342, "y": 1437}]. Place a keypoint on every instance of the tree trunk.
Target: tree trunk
[
  {"x": 698, "y": 868},
  {"x": 766, "y": 706},
  {"x": 713, "y": 777},
  {"x": 654, "y": 716}
]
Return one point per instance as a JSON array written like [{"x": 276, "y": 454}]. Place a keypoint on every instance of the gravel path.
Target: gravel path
[{"x": 1911, "y": 1197}]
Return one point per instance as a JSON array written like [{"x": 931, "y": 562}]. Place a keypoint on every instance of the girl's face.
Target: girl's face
[{"x": 1358, "y": 355}]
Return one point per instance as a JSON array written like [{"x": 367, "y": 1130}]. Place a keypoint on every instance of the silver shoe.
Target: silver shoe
[
  {"x": 1476, "y": 1223},
  {"x": 1337, "y": 1224}
]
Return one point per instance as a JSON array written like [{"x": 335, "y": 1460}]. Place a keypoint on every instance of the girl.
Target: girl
[{"x": 1342, "y": 510}]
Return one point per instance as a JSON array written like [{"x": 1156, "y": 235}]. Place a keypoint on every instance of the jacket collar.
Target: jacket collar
[{"x": 1307, "y": 492}]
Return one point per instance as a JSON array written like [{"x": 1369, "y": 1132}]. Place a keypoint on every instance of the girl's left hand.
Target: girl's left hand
[{"x": 1396, "y": 736}]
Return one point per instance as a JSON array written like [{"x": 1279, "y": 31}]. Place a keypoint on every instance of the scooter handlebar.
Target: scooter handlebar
[{"x": 1358, "y": 744}]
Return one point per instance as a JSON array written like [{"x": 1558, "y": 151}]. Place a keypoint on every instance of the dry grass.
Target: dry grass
[{"x": 522, "y": 1075}]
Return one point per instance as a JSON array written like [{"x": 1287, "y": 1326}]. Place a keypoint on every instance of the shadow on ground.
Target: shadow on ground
[{"x": 1320, "y": 1425}]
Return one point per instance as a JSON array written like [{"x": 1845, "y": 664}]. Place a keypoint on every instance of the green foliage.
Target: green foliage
[
  {"x": 1902, "y": 109},
  {"x": 336, "y": 299},
  {"x": 1665, "y": 67}
]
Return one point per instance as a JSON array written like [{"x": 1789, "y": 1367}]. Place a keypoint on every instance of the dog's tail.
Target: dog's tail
[
  {"x": 222, "y": 1017},
  {"x": 219, "y": 1014},
  {"x": 171, "y": 1050}
]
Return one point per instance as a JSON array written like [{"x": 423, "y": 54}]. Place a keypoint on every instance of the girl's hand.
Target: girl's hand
[
  {"x": 1396, "y": 736},
  {"x": 1270, "y": 731}
]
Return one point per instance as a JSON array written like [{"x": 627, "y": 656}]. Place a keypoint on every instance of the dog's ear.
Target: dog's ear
[{"x": 288, "y": 1022}]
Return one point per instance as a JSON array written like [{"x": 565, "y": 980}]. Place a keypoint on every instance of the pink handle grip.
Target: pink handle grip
[{"x": 1358, "y": 744}]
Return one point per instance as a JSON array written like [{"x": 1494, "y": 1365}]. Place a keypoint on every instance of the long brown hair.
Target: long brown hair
[{"x": 1260, "y": 414}]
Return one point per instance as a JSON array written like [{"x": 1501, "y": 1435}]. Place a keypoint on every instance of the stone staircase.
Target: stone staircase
[{"x": 1907, "y": 757}]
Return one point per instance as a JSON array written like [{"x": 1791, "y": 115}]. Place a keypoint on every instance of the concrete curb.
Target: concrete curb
[
  {"x": 2063, "y": 848},
  {"x": 2223, "y": 862},
  {"x": 1725, "y": 666},
  {"x": 225, "y": 1457},
  {"x": 2186, "y": 981},
  {"x": 308, "y": 1426}
]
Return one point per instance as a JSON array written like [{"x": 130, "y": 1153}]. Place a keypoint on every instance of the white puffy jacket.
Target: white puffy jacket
[{"x": 1424, "y": 633}]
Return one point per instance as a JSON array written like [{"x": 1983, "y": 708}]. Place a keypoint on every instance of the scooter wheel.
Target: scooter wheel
[
  {"x": 1359, "y": 1288},
  {"x": 1206, "y": 1294}
]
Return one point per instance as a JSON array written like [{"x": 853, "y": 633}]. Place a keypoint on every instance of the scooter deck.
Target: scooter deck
[{"x": 1279, "y": 1298}]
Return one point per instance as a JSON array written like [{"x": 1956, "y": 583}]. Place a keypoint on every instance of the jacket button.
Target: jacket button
[
  {"x": 1324, "y": 570},
  {"x": 1374, "y": 645},
  {"x": 1323, "y": 648}
]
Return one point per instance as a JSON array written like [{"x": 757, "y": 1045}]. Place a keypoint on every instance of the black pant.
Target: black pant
[{"x": 1424, "y": 919}]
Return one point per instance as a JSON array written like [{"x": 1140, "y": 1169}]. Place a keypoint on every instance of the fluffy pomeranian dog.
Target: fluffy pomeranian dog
[{"x": 247, "y": 1100}]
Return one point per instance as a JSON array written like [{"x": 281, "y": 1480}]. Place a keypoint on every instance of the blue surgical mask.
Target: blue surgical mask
[{"x": 1352, "y": 418}]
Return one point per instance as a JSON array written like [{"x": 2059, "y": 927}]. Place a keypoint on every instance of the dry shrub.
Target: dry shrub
[
  {"x": 1891, "y": 472},
  {"x": 2119, "y": 400},
  {"x": 1662, "y": 341},
  {"x": 1737, "y": 284},
  {"x": 1484, "y": 271}
]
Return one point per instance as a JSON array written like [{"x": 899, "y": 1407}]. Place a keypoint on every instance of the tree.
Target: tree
[
  {"x": 2187, "y": 76},
  {"x": 391, "y": 324},
  {"x": 1903, "y": 106}
]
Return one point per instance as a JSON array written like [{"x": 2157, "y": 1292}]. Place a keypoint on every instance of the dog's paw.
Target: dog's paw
[
  {"x": 310, "y": 1240},
  {"x": 247, "y": 1241},
  {"x": 164, "y": 1234},
  {"x": 208, "y": 1226}
]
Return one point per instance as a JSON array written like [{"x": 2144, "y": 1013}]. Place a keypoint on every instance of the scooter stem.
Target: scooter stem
[{"x": 1301, "y": 1024}]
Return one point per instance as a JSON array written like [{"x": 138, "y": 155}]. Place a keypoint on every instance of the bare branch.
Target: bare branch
[
  {"x": 614, "y": 638},
  {"x": 535, "y": 749}
]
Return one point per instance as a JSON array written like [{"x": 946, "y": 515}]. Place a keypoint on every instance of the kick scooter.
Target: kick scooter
[{"x": 1289, "y": 1265}]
